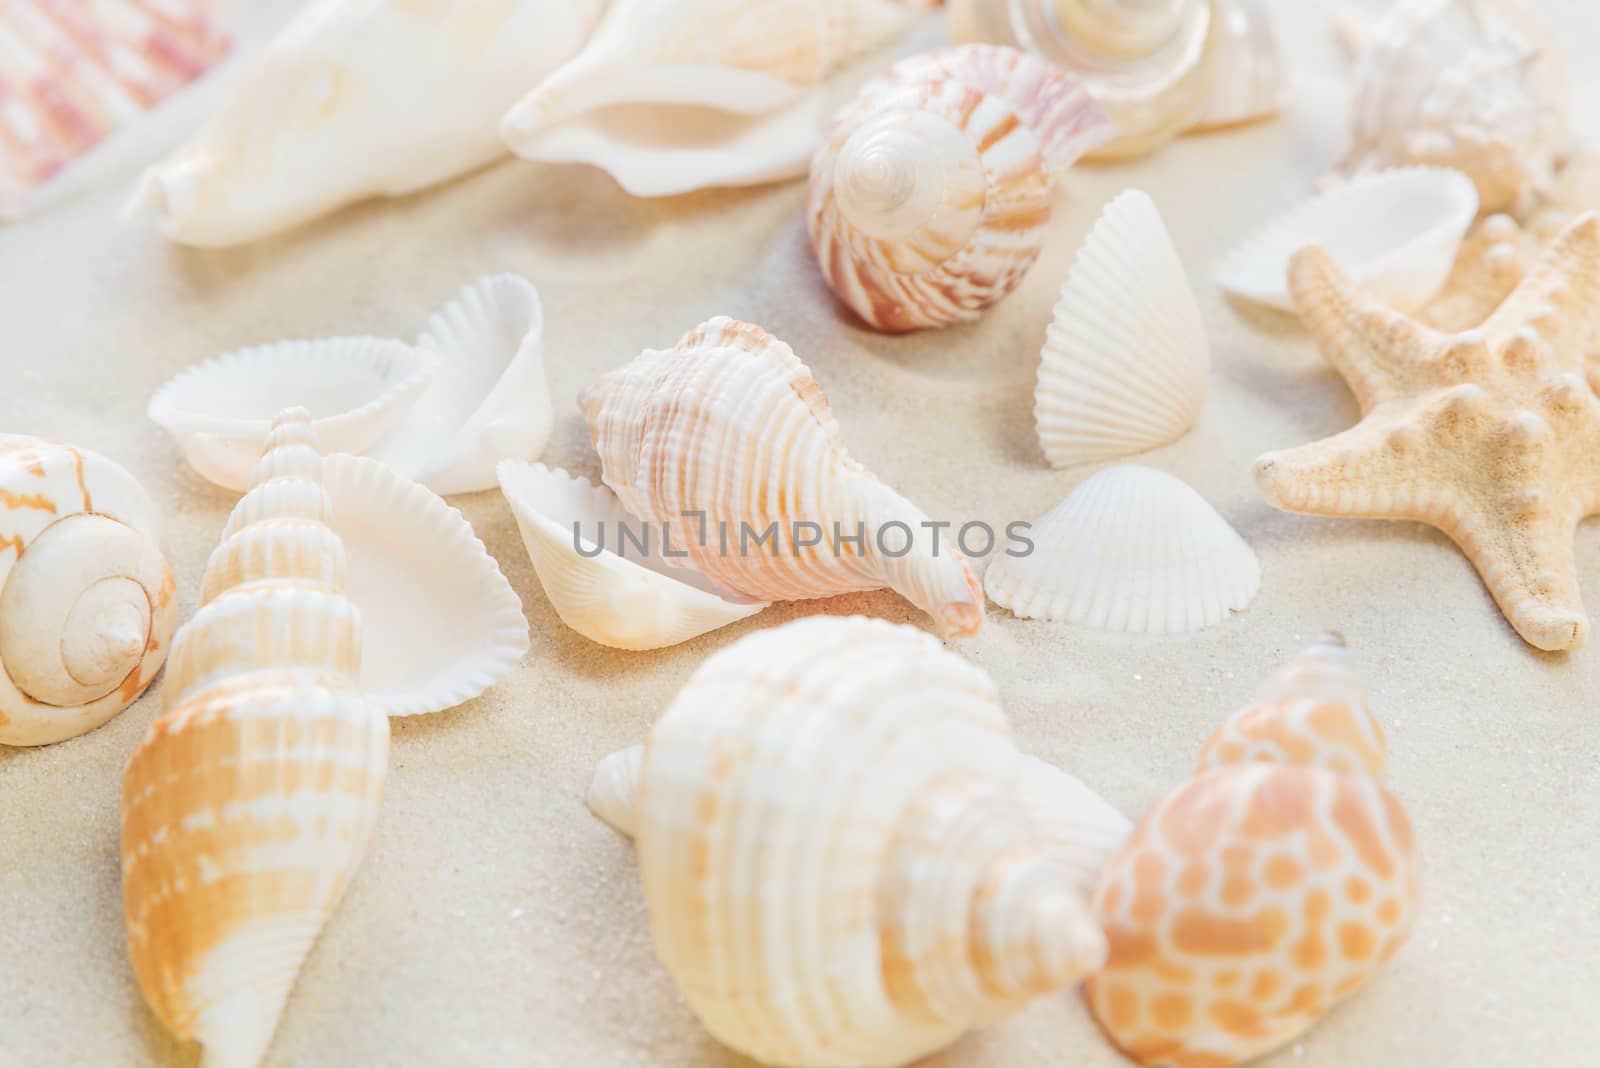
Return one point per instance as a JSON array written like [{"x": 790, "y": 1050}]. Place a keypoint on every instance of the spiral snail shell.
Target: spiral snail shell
[
  {"x": 845, "y": 858},
  {"x": 930, "y": 198},
  {"x": 248, "y": 805},
  {"x": 86, "y": 598}
]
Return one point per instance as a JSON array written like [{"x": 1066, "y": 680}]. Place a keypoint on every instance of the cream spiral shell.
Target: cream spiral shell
[
  {"x": 247, "y": 807},
  {"x": 841, "y": 863},
  {"x": 86, "y": 597},
  {"x": 930, "y": 199}
]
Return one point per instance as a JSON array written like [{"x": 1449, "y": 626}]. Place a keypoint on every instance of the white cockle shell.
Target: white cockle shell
[
  {"x": 840, "y": 863},
  {"x": 86, "y": 597}
]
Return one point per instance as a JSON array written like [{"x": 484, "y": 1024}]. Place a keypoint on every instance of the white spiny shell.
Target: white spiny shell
[
  {"x": 1478, "y": 85},
  {"x": 356, "y": 390},
  {"x": 930, "y": 199},
  {"x": 86, "y": 605},
  {"x": 674, "y": 95},
  {"x": 360, "y": 99},
  {"x": 839, "y": 864},
  {"x": 1131, "y": 549},
  {"x": 726, "y": 438},
  {"x": 1149, "y": 65},
  {"x": 248, "y": 805},
  {"x": 1126, "y": 363},
  {"x": 74, "y": 73},
  {"x": 1248, "y": 83},
  {"x": 442, "y": 623},
  {"x": 1396, "y": 232},
  {"x": 612, "y": 591}
]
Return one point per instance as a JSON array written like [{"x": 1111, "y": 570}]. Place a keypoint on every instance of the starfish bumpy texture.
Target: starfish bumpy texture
[{"x": 1492, "y": 435}]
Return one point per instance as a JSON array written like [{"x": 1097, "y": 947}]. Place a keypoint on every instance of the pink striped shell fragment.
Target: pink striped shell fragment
[
  {"x": 1268, "y": 888},
  {"x": 73, "y": 71}
]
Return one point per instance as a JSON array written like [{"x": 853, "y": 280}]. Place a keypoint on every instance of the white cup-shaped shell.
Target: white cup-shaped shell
[{"x": 86, "y": 597}]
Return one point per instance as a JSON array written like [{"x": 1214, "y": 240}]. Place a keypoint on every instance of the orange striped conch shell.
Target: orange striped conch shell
[
  {"x": 1261, "y": 893},
  {"x": 930, "y": 199},
  {"x": 847, "y": 863},
  {"x": 249, "y": 804},
  {"x": 86, "y": 605},
  {"x": 724, "y": 445}
]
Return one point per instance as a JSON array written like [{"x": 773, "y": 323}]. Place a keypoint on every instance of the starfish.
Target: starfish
[{"x": 1491, "y": 435}]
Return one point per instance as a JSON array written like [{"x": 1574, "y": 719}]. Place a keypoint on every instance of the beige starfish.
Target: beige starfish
[{"x": 1492, "y": 435}]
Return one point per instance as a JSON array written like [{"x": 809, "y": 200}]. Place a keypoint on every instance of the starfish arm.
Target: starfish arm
[
  {"x": 1559, "y": 299},
  {"x": 1367, "y": 472},
  {"x": 1373, "y": 346},
  {"x": 1522, "y": 546}
]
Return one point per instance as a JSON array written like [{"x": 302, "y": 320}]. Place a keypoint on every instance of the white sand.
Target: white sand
[{"x": 495, "y": 922}]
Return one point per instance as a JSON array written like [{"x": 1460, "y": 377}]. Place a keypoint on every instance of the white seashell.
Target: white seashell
[
  {"x": 636, "y": 600},
  {"x": 74, "y": 73},
  {"x": 1126, "y": 363},
  {"x": 442, "y": 624},
  {"x": 839, "y": 864},
  {"x": 248, "y": 806},
  {"x": 1131, "y": 549},
  {"x": 614, "y": 792},
  {"x": 674, "y": 95},
  {"x": 1149, "y": 65},
  {"x": 1248, "y": 84},
  {"x": 1084, "y": 828},
  {"x": 490, "y": 401},
  {"x": 355, "y": 388},
  {"x": 1396, "y": 233},
  {"x": 1478, "y": 85},
  {"x": 932, "y": 195},
  {"x": 727, "y": 441},
  {"x": 356, "y": 100},
  {"x": 86, "y": 597}
]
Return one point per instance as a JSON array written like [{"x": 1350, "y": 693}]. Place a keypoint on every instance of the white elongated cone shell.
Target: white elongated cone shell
[
  {"x": 77, "y": 73},
  {"x": 614, "y": 791},
  {"x": 1248, "y": 82},
  {"x": 1395, "y": 232},
  {"x": 930, "y": 199},
  {"x": 86, "y": 597},
  {"x": 1126, "y": 363},
  {"x": 1131, "y": 549},
  {"x": 249, "y": 804},
  {"x": 442, "y": 623},
  {"x": 356, "y": 100},
  {"x": 670, "y": 96},
  {"x": 356, "y": 389},
  {"x": 611, "y": 591},
  {"x": 727, "y": 437},
  {"x": 490, "y": 400},
  {"x": 838, "y": 865}
]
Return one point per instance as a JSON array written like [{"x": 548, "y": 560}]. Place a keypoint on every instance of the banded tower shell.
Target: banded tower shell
[
  {"x": 839, "y": 863},
  {"x": 725, "y": 446},
  {"x": 930, "y": 199},
  {"x": 249, "y": 804},
  {"x": 86, "y": 597}
]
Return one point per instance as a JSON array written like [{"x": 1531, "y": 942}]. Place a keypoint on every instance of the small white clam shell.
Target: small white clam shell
[
  {"x": 632, "y": 600},
  {"x": 1126, "y": 362},
  {"x": 490, "y": 400},
  {"x": 614, "y": 791},
  {"x": 1396, "y": 232},
  {"x": 441, "y": 622},
  {"x": 1132, "y": 549},
  {"x": 355, "y": 388}
]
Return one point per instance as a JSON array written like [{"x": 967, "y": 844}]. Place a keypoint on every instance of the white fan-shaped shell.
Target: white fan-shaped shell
[
  {"x": 674, "y": 95},
  {"x": 1248, "y": 82},
  {"x": 1395, "y": 232},
  {"x": 490, "y": 400},
  {"x": 1126, "y": 362},
  {"x": 356, "y": 389},
  {"x": 627, "y": 599},
  {"x": 441, "y": 622},
  {"x": 1131, "y": 549}
]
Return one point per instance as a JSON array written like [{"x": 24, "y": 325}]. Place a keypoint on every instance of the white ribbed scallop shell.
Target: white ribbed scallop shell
[
  {"x": 1131, "y": 549},
  {"x": 1126, "y": 362},
  {"x": 729, "y": 425}
]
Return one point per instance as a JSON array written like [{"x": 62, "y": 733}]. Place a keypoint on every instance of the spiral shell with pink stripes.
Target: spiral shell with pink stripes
[
  {"x": 930, "y": 199},
  {"x": 1271, "y": 886}
]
